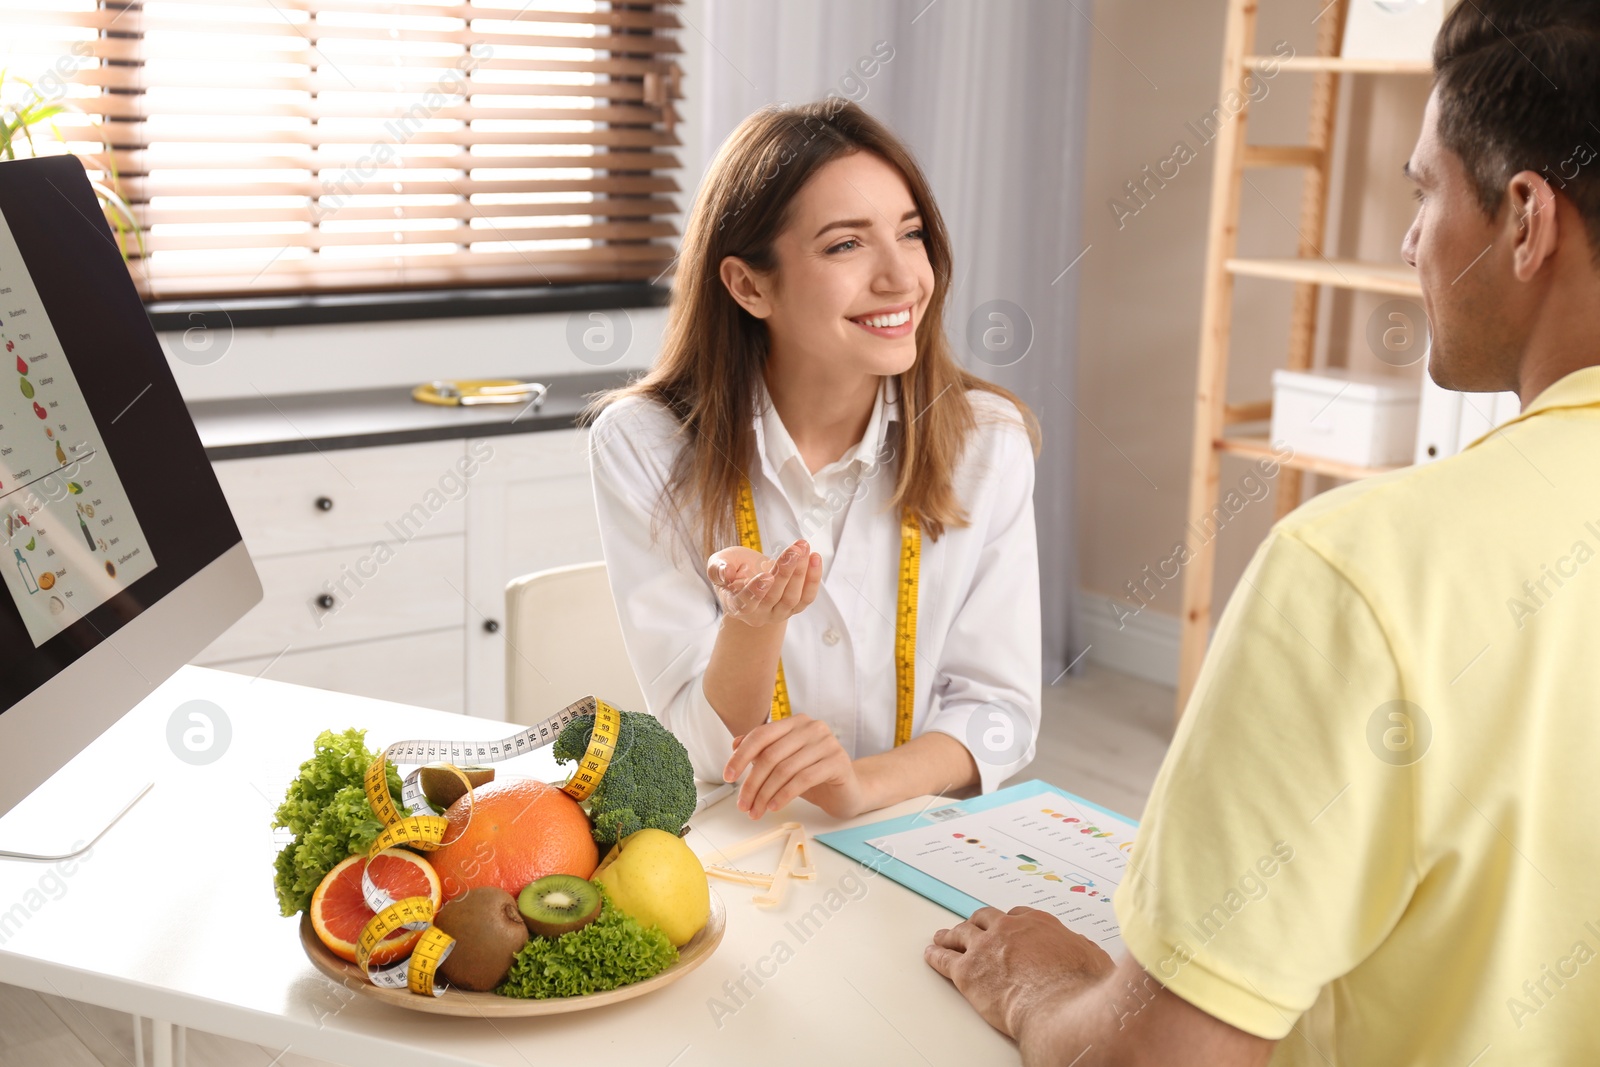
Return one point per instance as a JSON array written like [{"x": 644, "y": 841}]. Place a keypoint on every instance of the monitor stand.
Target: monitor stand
[{"x": 53, "y": 824}]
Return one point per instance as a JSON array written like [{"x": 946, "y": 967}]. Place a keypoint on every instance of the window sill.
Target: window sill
[{"x": 324, "y": 308}]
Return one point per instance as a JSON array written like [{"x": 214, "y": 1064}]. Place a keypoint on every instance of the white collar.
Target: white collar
[{"x": 778, "y": 448}]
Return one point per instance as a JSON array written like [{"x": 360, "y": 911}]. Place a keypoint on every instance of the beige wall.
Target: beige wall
[{"x": 1155, "y": 66}]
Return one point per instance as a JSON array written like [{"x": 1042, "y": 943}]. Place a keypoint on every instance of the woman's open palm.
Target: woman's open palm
[{"x": 756, "y": 590}]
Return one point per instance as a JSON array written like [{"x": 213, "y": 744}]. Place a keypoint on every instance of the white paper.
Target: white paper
[
  {"x": 1044, "y": 852},
  {"x": 72, "y": 540}
]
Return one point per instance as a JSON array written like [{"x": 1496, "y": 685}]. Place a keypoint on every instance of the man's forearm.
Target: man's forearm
[
  {"x": 1083, "y": 1029},
  {"x": 1126, "y": 1018}
]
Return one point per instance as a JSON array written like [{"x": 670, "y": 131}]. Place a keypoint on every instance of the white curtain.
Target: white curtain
[{"x": 992, "y": 96}]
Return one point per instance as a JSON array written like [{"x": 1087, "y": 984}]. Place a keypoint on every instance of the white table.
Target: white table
[{"x": 206, "y": 949}]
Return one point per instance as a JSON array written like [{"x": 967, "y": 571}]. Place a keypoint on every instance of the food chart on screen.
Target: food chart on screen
[{"x": 72, "y": 540}]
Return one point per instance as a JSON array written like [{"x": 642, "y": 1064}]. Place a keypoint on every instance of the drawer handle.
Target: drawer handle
[
  {"x": 491, "y": 626},
  {"x": 324, "y": 503},
  {"x": 325, "y": 602}
]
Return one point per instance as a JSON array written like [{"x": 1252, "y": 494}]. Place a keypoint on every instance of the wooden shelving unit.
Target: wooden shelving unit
[
  {"x": 1339, "y": 273},
  {"x": 1333, "y": 64},
  {"x": 1261, "y": 447},
  {"x": 1308, "y": 271}
]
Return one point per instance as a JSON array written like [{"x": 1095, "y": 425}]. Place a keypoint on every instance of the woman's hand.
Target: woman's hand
[
  {"x": 796, "y": 757},
  {"x": 758, "y": 591}
]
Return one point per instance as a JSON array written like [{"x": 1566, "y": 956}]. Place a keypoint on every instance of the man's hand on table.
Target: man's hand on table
[
  {"x": 1064, "y": 1000},
  {"x": 1011, "y": 965}
]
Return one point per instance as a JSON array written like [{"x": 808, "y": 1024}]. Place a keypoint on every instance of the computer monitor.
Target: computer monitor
[{"x": 120, "y": 560}]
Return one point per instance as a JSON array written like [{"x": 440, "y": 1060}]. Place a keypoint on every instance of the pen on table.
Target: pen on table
[{"x": 714, "y": 795}]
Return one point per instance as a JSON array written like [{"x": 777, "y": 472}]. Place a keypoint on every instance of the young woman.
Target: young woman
[{"x": 805, "y": 396}]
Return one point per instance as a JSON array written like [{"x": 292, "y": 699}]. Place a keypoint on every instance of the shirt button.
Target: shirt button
[{"x": 830, "y": 636}]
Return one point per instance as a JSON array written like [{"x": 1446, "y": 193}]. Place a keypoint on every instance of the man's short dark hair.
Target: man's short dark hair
[{"x": 1519, "y": 89}]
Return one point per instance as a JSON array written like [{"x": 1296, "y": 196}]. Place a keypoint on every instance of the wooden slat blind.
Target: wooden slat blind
[{"x": 274, "y": 146}]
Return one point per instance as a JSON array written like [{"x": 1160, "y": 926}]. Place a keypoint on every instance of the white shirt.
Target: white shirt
[
  {"x": 821, "y": 498},
  {"x": 979, "y": 657}
]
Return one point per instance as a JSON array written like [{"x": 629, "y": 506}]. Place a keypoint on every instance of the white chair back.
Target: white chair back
[{"x": 563, "y": 642}]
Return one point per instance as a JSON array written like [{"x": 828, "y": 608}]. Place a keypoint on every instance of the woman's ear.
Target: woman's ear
[
  {"x": 1533, "y": 210},
  {"x": 746, "y": 286}
]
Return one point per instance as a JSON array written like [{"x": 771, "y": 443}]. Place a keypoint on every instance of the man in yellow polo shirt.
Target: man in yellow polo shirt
[{"x": 1373, "y": 841}]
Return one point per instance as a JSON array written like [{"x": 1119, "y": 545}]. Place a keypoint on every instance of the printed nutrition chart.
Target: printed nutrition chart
[
  {"x": 1047, "y": 852},
  {"x": 72, "y": 540}
]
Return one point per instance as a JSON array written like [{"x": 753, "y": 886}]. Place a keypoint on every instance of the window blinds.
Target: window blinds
[{"x": 276, "y": 146}]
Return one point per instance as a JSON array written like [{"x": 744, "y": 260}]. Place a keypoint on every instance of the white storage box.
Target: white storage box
[
  {"x": 1393, "y": 29},
  {"x": 1362, "y": 419}
]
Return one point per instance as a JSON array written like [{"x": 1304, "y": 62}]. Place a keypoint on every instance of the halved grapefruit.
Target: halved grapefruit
[{"x": 339, "y": 911}]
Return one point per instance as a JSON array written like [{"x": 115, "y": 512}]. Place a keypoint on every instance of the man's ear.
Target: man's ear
[
  {"x": 746, "y": 286},
  {"x": 1535, "y": 227}
]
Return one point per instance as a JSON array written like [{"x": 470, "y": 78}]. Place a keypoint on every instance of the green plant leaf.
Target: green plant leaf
[
  {"x": 120, "y": 214},
  {"x": 33, "y": 111},
  {"x": 47, "y": 111}
]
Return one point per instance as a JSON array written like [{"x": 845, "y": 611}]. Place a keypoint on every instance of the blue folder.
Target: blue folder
[{"x": 853, "y": 842}]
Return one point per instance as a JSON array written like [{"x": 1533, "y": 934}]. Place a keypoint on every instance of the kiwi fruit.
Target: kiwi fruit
[
  {"x": 489, "y": 933},
  {"x": 442, "y": 788},
  {"x": 558, "y": 904}
]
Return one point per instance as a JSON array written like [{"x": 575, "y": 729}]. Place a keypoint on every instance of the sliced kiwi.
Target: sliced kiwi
[
  {"x": 558, "y": 904},
  {"x": 488, "y": 932},
  {"x": 443, "y": 788}
]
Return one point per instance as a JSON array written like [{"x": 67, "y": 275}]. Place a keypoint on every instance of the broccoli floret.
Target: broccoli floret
[{"x": 649, "y": 783}]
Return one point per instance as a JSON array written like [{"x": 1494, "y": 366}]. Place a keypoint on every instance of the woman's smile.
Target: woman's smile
[{"x": 887, "y": 322}]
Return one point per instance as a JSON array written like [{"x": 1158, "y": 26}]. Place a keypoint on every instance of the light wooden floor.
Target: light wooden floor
[{"x": 1103, "y": 738}]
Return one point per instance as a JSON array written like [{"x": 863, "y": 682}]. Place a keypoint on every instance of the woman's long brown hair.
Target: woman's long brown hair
[{"x": 713, "y": 350}]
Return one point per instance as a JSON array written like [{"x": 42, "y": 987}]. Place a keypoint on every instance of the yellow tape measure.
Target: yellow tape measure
[
  {"x": 602, "y": 746},
  {"x": 905, "y": 621},
  {"x": 905, "y": 628},
  {"x": 426, "y": 832}
]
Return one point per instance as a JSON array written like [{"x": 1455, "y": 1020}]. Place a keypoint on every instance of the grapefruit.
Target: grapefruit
[
  {"x": 521, "y": 830},
  {"x": 339, "y": 911}
]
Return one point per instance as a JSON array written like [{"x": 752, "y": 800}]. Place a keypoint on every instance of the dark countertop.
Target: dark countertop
[{"x": 319, "y": 422}]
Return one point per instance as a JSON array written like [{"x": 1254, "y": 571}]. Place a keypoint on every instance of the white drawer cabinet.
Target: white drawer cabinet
[
  {"x": 352, "y": 496},
  {"x": 531, "y": 508},
  {"x": 424, "y": 669},
  {"x": 384, "y": 569},
  {"x": 348, "y": 594}
]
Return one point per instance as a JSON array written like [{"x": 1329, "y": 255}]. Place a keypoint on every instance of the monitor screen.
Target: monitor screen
[
  {"x": 107, "y": 501},
  {"x": 74, "y": 535}
]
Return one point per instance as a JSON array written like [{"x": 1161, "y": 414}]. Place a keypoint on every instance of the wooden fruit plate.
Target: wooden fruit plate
[{"x": 494, "y": 1006}]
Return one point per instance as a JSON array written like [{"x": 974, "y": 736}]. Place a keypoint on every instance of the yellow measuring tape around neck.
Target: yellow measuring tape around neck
[{"x": 905, "y": 615}]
